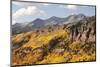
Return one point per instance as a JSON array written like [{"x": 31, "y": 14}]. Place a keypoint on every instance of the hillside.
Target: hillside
[{"x": 71, "y": 42}]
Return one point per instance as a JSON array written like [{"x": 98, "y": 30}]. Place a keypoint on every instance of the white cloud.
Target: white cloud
[
  {"x": 22, "y": 4},
  {"x": 19, "y": 13},
  {"x": 72, "y": 6},
  {"x": 29, "y": 11},
  {"x": 68, "y": 6}
]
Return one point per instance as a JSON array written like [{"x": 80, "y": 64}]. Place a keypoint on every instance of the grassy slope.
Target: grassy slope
[{"x": 49, "y": 47}]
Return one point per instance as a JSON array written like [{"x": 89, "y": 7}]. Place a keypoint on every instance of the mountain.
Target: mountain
[
  {"x": 71, "y": 42},
  {"x": 39, "y": 23},
  {"x": 54, "y": 20},
  {"x": 75, "y": 18}
]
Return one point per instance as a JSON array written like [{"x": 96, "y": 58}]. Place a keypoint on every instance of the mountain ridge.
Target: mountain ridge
[{"x": 39, "y": 23}]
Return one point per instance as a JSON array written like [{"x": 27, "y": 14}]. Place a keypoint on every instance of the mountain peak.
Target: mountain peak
[
  {"x": 38, "y": 19},
  {"x": 81, "y": 15},
  {"x": 77, "y": 15},
  {"x": 54, "y": 18}
]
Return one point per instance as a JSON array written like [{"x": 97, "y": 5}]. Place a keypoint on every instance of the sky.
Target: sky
[{"x": 29, "y": 11}]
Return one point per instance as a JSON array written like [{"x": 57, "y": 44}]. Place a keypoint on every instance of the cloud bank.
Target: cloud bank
[{"x": 29, "y": 11}]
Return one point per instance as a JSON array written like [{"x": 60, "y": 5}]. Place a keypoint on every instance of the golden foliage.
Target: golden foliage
[{"x": 34, "y": 48}]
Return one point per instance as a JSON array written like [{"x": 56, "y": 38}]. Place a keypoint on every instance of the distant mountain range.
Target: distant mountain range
[{"x": 39, "y": 23}]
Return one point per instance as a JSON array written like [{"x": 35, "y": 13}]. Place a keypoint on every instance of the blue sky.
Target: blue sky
[{"x": 26, "y": 11}]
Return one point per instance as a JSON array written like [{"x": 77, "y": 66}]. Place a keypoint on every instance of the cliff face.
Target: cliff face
[
  {"x": 72, "y": 42},
  {"x": 83, "y": 30}
]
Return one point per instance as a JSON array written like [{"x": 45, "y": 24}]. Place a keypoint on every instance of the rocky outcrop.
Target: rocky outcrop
[{"x": 83, "y": 30}]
